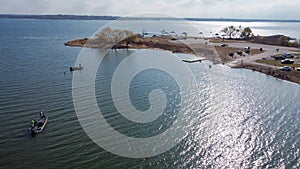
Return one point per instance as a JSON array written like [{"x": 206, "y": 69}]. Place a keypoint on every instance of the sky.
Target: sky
[{"x": 244, "y": 9}]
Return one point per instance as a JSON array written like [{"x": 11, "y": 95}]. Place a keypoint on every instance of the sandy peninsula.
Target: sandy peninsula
[{"x": 219, "y": 52}]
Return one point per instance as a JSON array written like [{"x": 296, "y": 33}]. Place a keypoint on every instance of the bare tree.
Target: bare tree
[
  {"x": 113, "y": 37},
  {"x": 185, "y": 34},
  {"x": 246, "y": 33},
  {"x": 230, "y": 31}
]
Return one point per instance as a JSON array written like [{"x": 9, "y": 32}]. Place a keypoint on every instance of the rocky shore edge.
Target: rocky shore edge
[{"x": 291, "y": 76}]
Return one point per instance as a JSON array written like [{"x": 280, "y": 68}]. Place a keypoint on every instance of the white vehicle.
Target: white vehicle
[
  {"x": 288, "y": 55},
  {"x": 286, "y": 68}
]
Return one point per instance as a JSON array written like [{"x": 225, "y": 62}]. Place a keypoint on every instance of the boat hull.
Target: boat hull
[{"x": 39, "y": 126}]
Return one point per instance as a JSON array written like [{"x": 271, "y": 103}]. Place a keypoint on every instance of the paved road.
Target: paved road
[{"x": 269, "y": 50}]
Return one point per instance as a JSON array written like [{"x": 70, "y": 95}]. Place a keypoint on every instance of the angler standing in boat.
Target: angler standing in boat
[{"x": 32, "y": 123}]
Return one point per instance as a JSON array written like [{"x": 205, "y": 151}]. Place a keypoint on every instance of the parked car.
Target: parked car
[
  {"x": 298, "y": 68},
  {"x": 247, "y": 49},
  {"x": 239, "y": 52},
  {"x": 287, "y": 61},
  {"x": 224, "y": 45},
  {"x": 286, "y": 68},
  {"x": 231, "y": 54},
  {"x": 279, "y": 57},
  {"x": 288, "y": 55}
]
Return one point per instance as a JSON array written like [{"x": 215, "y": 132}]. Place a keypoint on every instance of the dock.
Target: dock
[{"x": 193, "y": 60}]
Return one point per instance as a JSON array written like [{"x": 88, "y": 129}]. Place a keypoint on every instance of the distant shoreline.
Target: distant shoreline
[{"x": 104, "y": 17}]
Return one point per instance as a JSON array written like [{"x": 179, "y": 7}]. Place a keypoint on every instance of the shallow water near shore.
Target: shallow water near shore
[{"x": 258, "y": 115}]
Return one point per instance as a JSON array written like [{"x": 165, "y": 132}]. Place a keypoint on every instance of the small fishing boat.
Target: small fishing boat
[
  {"x": 39, "y": 125},
  {"x": 76, "y": 68}
]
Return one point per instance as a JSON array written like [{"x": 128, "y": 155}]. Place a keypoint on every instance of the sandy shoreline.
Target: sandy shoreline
[{"x": 214, "y": 52}]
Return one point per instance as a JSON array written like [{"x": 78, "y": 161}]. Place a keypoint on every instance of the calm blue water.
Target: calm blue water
[{"x": 255, "y": 117}]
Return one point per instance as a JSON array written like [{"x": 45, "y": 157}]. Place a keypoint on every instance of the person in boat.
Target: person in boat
[{"x": 32, "y": 123}]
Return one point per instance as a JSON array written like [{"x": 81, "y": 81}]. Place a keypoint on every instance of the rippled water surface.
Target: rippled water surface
[{"x": 253, "y": 119}]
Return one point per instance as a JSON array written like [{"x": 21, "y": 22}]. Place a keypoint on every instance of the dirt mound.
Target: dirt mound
[{"x": 278, "y": 40}]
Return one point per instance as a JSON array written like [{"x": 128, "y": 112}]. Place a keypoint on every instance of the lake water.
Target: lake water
[{"x": 254, "y": 118}]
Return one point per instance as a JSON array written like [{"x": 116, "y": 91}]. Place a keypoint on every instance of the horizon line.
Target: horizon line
[{"x": 113, "y": 17}]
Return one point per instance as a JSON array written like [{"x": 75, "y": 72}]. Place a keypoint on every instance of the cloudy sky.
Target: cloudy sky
[{"x": 262, "y": 9}]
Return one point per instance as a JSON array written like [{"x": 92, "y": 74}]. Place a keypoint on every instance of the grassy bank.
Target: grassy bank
[{"x": 276, "y": 63}]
